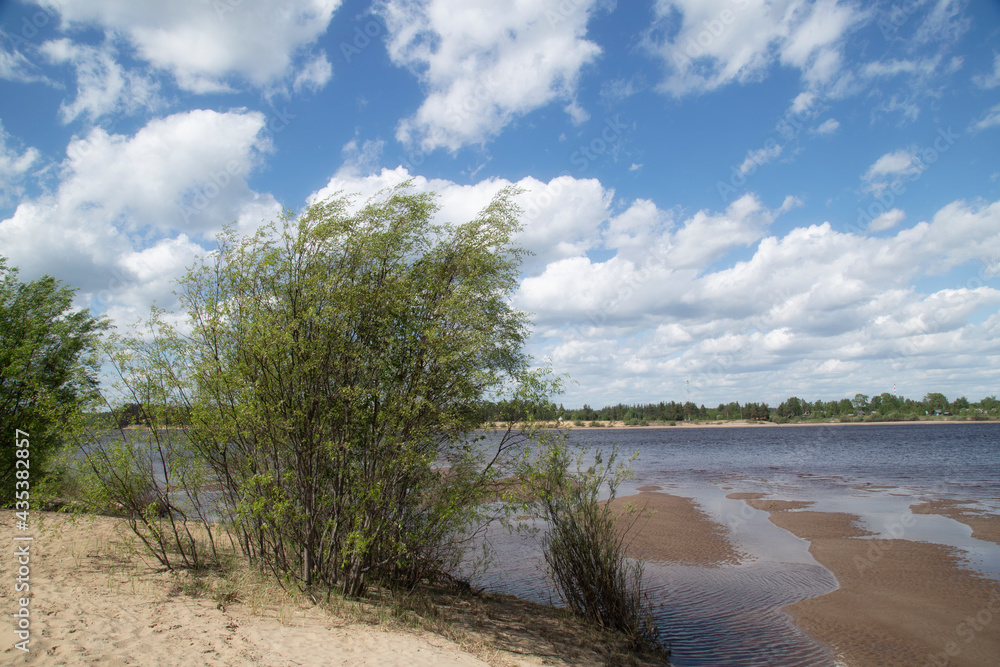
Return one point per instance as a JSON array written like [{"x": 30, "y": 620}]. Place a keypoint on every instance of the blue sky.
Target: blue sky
[{"x": 727, "y": 199}]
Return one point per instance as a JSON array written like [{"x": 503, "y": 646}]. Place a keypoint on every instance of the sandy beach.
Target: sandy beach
[
  {"x": 97, "y": 601},
  {"x": 737, "y": 423}
]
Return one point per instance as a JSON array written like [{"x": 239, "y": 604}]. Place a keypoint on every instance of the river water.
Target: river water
[{"x": 731, "y": 615}]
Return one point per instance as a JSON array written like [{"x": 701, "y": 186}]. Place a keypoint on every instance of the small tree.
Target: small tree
[
  {"x": 48, "y": 368},
  {"x": 340, "y": 361},
  {"x": 585, "y": 544}
]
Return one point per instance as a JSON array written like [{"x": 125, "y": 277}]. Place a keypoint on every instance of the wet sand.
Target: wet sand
[
  {"x": 984, "y": 526},
  {"x": 694, "y": 538},
  {"x": 899, "y": 602}
]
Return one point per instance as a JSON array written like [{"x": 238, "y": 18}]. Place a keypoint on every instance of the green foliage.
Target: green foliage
[
  {"x": 584, "y": 547},
  {"x": 337, "y": 363},
  {"x": 48, "y": 369}
]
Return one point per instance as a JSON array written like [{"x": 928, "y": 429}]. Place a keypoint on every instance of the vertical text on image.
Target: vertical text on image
[{"x": 22, "y": 553}]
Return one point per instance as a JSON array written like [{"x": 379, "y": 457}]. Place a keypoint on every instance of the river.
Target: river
[{"x": 731, "y": 615}]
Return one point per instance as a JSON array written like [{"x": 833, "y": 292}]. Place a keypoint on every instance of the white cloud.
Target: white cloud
[
  {"x": 891, "y": 170},
  {"x": 628, "y": 297},
  {"x": 14, "y": 66},
  {"x": 813, "y": 299},
  {"x": 720, "y": 42},
  {"x": 561, "y": 218},
  {"x": 130, "y": 212},
  {"x": 990, "y": 119},
  {"x": 803, "y": 102},
  {"x": 828, "y": 126},
  {"x": 203, "y": 44},
  {"x": 103, "y": 86},
  {"x": 14, "y": 166},
  {"x": 887, "y": 220},
  {"x": 314, "y": 75},
  {"x": 485, "y": 64},
  {"x": 990, "y": 79},
  {"x": 759, "y": 158},
  {"x": 920, "y": 68}
]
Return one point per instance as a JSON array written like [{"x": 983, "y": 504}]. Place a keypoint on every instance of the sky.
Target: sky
[{"x": 726, "y": 199}]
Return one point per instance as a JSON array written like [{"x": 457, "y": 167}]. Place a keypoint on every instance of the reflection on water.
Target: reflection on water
[{"x": 732, "y": 615}]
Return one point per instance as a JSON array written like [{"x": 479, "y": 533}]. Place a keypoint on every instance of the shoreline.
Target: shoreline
[{"x": 733, "y": 423}]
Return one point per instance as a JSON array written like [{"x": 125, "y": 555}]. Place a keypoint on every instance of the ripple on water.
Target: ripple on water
[
  {"x": 708, "y": 616},
  {"x": 732, "y": 615}
]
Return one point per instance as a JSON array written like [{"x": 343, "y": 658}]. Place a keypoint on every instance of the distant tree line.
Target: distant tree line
[{"x": 883, "y": 407}]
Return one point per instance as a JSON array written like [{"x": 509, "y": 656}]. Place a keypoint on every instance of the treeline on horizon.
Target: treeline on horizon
[{"x": 882, "y": 407}]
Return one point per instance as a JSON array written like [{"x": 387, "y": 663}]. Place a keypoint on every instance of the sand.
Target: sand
[
  {"x": 694, "y": 538},
  {"x": 96, "y": 602},
  {"x": 91, "y": 606},
  {"x": 899, "y": 603}
]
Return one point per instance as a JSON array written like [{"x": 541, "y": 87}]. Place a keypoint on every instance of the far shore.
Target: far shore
[{"x": 732, "y": 423}]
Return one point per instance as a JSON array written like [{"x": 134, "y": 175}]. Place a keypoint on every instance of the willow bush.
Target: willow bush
[
  {"x": 332, "y": 372},
  {"x": 585, "y": 543}
]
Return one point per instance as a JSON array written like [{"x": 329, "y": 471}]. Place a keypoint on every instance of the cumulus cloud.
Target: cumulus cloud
[
  {"x": 15, "y": 164},
  {"x": 633, "y": 298},
  {"x": 561, "y": 218},
  {"x": 485, "y": 64},
  {"x": 811, "y": 301},
  {"x": 203, "y": 44},
  {"x": 892, "y": 169},
  {"x": 103, "y": 86},
  {"x": 713, "y": 44},
  {"x": 887, "y": 220},
  {"x": 130, "y": 212}
]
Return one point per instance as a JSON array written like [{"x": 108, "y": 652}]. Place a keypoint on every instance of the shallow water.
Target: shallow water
[{"x": 732, "y": 615}]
